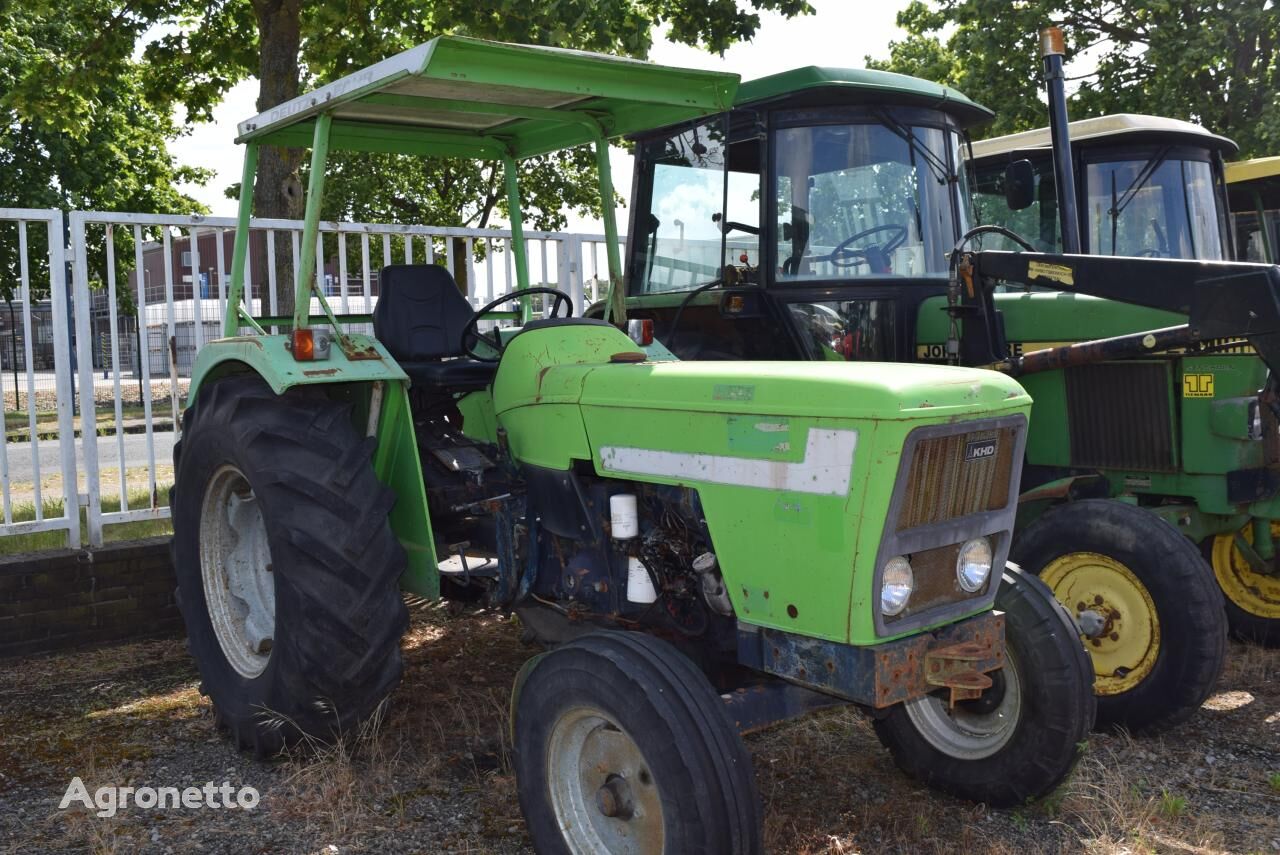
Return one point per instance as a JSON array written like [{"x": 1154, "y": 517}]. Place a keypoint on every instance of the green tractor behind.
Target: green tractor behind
[
  {"x": 845, "y": 218},
  {"x": 672, "y": 532}
]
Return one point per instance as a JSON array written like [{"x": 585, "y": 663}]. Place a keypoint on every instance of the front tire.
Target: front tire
[
  {"x": 623, "y": 746},
  {"x": 1021, "y": 743},
  {"x": 1154, "y": 614},
  {"x": 287, "y": 567}
]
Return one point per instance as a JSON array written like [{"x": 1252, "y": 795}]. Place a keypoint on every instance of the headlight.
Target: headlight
[
  {"x": 896, "y": 584},
  {"x": 973, "y": 565}
]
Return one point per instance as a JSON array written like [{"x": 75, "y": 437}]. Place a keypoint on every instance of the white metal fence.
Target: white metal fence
[{"x": 146, "y": 292}]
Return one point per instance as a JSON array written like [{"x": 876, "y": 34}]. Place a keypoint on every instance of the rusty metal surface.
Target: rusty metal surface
[
  {"x": 754, "y": 707},
  {"x": 961, "y": 668},
  {"x": 355, "y": 351},
  {"x": 884, "y": 674}
]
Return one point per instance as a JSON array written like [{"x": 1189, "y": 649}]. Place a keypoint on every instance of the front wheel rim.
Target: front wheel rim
[
  {"x": 603, "y": 793},
  {"x": 964, "y": 734},
  {"x": 1125, "y": 648},
  {"x": 235, "y": 567},
  {"x": 1252, "y": 592}
]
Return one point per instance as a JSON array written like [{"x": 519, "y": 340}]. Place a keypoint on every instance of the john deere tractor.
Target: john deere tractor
[
  {"x": 702, "y": 547},
  {"x": 845, "y": 219}
]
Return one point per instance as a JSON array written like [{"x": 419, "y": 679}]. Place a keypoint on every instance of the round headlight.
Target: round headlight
[
  {"x": 973, "y": 565},
  {"x": 896, "y": 584}
]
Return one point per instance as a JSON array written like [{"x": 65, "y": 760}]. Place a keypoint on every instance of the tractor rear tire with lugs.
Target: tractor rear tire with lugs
[
  {"x": 1024, "y": 735},
  {"x": 1152, "y": 611},
  {"x": 286, "y": 563}
]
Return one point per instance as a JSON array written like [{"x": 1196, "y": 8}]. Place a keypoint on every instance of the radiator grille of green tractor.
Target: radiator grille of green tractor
[
  {"x": 1120, "y": 416},
  {"x": 953, "y": 476}
]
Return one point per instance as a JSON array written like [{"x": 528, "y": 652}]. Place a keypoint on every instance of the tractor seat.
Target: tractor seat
[{"x": 419, "y": 318}]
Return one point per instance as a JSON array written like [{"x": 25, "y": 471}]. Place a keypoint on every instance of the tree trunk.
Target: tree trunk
[{"x": 278, "y": 189}]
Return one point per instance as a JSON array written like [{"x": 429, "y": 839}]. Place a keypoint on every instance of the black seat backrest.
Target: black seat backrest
[{"x": 420, "y": 313}]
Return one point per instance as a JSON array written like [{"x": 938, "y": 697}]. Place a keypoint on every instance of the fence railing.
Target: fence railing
[{"x": 139, "y": 295}]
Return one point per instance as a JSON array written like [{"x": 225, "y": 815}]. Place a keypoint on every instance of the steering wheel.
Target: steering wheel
[
  {"x": 471, "y": 332},
  {"x": 843, "y": 256}
]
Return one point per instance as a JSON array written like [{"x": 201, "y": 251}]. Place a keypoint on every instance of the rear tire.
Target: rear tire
[
  {"x": 1163, "y": 642},
  {"x": 622, "y": 745},
  {"x": 1252, "y": 599},
  {"x": 1005, "y": 750},
  {"x": 287, "y": 567}
]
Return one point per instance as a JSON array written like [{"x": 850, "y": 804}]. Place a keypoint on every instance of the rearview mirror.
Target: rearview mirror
[{"x": 1019, "y": 185}]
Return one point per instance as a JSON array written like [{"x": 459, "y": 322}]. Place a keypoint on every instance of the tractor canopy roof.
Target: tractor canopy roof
[
  {"x": 463, "y": 97},
  {"x": 1254, "y": 182},
  {"x": 817, "y": 85},
  {"x": 1103, "y": 130}
]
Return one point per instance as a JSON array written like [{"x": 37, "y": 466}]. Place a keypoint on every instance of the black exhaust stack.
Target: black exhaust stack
[{"x": 1051, "y": 51}]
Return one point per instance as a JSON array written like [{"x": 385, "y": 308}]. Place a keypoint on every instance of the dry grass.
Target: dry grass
[{"x": 433, "y": 770}]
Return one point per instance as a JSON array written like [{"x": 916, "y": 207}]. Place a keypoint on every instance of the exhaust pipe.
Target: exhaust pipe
[{"x": 1052, "y": 50}]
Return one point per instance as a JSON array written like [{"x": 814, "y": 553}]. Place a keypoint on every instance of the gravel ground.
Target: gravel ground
[{"x": 433, "y": 775}]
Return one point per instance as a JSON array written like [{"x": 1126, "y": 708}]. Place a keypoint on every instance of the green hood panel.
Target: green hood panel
[{"x": 836, "y": 389}]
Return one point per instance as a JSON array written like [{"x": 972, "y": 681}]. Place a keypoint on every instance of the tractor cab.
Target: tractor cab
[
  {"x": 748, "y": 227},
  {"x": 1149, "y": 187},
  {"x": 1253, "y": 194}
]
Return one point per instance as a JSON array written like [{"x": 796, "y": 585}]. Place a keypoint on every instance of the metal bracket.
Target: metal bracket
[{"x": 956, "y": 668}]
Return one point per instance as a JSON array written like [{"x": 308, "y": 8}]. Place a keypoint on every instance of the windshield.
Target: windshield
[
  {"x": 1160, "y": 207},
  {"x": 865, "y": 200}
]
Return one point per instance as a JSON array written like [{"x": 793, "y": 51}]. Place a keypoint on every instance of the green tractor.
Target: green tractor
[
  {"x": 1150, "y": 187},
  {"x": 846, "y": 215},
  {"x": 703, "y": 548}
]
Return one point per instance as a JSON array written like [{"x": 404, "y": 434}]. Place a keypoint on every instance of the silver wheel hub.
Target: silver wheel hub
[
  {"x": 969, "y": 732},
  {"x": 602, "y": 791},
  {"x": 235, "y": 565}
]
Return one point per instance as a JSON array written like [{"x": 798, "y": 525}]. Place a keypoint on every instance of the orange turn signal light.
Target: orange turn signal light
[{"x": 304, "y": 345}]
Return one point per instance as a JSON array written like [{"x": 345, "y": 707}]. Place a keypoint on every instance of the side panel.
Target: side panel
[{"x": 398, "y": 465}]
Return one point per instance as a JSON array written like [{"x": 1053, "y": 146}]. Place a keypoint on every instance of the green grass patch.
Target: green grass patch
[
  {"x": 17, "y": 425},
  {"x": 42, "y": 540}
]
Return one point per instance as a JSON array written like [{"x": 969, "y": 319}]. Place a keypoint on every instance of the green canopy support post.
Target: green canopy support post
[
  {"x": 509, "y": 174},
  {"x": 1268, "y": 248},
  {"x": 231, "y": 322},
  {"x": 615, "y": 307},
  {"x": 311, "y": 222}
]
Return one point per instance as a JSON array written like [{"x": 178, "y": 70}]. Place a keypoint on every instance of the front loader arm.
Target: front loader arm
[{"x": 1222, "y": 300}]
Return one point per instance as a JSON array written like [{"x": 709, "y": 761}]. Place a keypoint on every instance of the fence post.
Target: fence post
[{"x": 81, "y": 308}]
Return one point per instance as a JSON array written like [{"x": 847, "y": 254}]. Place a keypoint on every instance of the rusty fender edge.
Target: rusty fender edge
[{"x": 957, "y": 656}]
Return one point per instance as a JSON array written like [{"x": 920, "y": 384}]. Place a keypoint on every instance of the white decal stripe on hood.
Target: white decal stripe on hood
[{"x": 825, "y": 469}]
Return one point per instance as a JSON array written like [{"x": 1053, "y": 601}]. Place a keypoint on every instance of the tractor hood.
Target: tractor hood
[{"x": 861, "y": 390}]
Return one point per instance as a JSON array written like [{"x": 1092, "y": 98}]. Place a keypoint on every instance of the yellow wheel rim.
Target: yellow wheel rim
[
  {"x": 1253, "y": 592},
  {"x": 1125, "y": 651}
]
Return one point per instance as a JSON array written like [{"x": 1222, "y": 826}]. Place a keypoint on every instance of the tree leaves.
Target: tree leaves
[{"x": 1215, "y": 63}]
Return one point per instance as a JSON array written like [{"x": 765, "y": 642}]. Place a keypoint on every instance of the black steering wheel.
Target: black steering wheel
[
  {"x": 843, "y": 256},
  {"x": 471, "y": 332}
]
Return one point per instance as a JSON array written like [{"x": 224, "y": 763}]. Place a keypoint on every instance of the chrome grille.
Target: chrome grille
[{"x": 942, "y": 484}]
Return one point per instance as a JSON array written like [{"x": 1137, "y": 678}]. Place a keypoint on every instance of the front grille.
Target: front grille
[
  {"x": 1120, "y": 416},
  {"x": 942, "y": 484}
]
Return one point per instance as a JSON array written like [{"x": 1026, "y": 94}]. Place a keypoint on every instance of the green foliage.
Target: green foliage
[
  {"x": 1172, "y": 806},
  {"x": 1273, "y": 781},
  {"x": 76, "y": 127},
  {"x": 1210, "y": 62}
]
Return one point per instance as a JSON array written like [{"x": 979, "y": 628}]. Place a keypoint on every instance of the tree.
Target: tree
[
  {"x": 299, "y": 45},
  {"x": 1215, "y": 63},
  {"x": 77, "y": 133}
]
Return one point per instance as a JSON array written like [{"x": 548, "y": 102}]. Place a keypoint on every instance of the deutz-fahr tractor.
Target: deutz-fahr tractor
[
  {"x": 703, "y": 548},
  {"x": 845, "y": 204}
]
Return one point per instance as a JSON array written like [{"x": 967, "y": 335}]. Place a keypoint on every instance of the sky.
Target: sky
[{"x": 841, "y": 33}]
